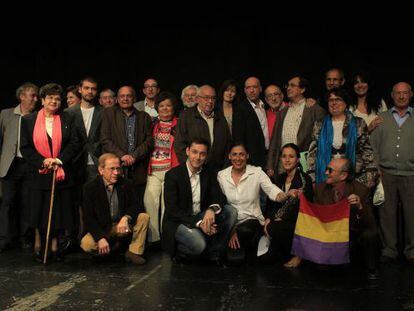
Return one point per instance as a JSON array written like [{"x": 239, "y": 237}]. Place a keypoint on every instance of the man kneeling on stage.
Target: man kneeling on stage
[{"x": 110, "y": 208}]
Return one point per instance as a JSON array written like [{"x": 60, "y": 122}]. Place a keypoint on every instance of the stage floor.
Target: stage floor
[{"x": 81, "y": 284}]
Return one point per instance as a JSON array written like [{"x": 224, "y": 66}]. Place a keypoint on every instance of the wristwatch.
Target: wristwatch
[{"x": 215, "y": 208}]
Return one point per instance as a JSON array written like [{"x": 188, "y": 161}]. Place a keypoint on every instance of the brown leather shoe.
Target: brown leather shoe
[{"x": 134, "y": 258}]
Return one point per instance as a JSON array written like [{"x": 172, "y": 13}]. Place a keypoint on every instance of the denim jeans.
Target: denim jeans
[{"x": 193, "y": 242}]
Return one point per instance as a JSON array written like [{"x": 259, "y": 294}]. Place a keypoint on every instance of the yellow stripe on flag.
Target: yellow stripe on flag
[{"x": 330, "y": 232}]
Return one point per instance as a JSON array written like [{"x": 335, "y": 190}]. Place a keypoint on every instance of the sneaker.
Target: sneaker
[{"x": 134, "y": 258}]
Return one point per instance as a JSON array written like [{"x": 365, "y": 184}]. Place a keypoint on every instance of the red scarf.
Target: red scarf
[{"x": 41, "y": 142}]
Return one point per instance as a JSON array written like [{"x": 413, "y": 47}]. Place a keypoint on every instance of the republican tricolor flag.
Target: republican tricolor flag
[{"x": 322, "y": 232}]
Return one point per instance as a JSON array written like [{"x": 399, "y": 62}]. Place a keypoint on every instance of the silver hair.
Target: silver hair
[
  {"x": 107, "y": 90},
  {"x": 204, "y": 86},
  {"x": 131, "y": 88},
  {"x": 24, "y": 87},
  {"x": 191, "y": 86}
]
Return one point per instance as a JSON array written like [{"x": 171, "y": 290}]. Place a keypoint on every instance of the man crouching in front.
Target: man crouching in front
[
  {"x": 110, "y": 209},
  {"x": 196, "y": 219}
]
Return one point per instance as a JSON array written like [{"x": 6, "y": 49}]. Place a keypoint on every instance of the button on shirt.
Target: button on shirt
[
  {"x": 261, "y": 115},
  {"x": 130, "y": 131},
  {"x": 400, "y": 120},
  {"x": 195, "y": 189},
  {"x": 245, "y": 196}
]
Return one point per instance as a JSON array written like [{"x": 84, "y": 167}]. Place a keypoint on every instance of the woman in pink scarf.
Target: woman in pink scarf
[{"x": 49, "y": 142}]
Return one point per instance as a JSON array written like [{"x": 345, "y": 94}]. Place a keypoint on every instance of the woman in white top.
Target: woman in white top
[
  {"x": 241, "y": 184},
  {"x": 365, "y": 104}
]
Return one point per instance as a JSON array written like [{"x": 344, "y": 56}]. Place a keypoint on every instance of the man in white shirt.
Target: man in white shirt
[
  {"x": 294, "y": 124},
  {"x": 88, "y": 123},
  {"x": 150, "y": 90},
  {"x": 196, "y": 219}
]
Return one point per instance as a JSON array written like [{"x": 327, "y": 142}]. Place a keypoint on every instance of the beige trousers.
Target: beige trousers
[
  {"x": 153, "y": 201},
  {"x": 139, "y": 234}
]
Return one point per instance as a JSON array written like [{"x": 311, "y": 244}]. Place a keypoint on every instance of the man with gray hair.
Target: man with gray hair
[
  {"x": 107, "y": 98},
  {"x": 392, "y": 142},
  {"x": 13, "y": 167},
  {"x": 202, "y": 121},
  {"x": 188, "y": 96}
]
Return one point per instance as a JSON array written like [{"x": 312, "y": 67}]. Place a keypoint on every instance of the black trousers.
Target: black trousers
[
  {"x": 248, "y": 233},
  {"x": 14, "y": 206},
  {"x": 281, "y": 233},
  {"x": 364, "y": 244}
]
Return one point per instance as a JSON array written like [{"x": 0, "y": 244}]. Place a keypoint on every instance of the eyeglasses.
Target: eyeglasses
[
  {"x": 114, "y": 169},
  {"x": 331, "y": 169},
  {"x": 337, "y": 100},
  {"x": 291, "y": 85},
  {"x": 208, "y": 98},
  {"x": 273, "y": 95}
]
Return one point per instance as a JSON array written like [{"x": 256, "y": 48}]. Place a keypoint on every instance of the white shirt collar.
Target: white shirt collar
[{"x": 190, "y": 172}]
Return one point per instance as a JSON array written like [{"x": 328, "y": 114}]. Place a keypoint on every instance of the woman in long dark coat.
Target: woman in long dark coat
[{"x": 49, "y": 142}]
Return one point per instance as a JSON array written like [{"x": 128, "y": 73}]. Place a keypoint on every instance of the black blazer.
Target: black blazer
[
  {"x": 247, "y": 130},
  {"x": 96, "y": 211},
  {"x": 293, "y": 211},
  {"x": 69, "y": 149},
  {"x": 179, "y": 201},
  {"x": 91, "y": 143}
]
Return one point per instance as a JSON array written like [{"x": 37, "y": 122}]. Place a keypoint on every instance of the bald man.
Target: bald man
[
  {"x": 392, "y": 142},
  {"x": 201, "y": 121},
  {"x": 250, "y": 125},
  {"x": 126, "y": 132},
  {"x": 363, "y": 234},
  {"x": 150, "y": 90}
]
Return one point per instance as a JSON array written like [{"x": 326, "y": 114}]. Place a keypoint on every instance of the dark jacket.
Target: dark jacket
[
  {"x": 304, "y": 136},
  {"x": 96, "y": 211},
  {"x": 292, "y": 212},
  {"x": 114, "y": 140},
  {"x": 179, "y": 201},
  {"x": 90, "y": 143},
  {"x": 191, "y": 124},
  {"x": 247, "y": 130},
  {"x": 69, "y": 149},
  {"x": 323, "y": 194}
]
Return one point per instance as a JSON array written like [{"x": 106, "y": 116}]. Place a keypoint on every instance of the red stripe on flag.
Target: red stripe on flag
[{"x": 325, "y": 213}]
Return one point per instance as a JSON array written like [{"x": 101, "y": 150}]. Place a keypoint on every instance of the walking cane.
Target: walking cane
[{"x": 52, "y": 195}]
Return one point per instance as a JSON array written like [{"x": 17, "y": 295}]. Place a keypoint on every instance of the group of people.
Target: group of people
[{"x": 209, "y": 176}]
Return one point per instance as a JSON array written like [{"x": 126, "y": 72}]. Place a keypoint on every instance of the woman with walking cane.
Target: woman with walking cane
[{"x": 49, "y": 142}]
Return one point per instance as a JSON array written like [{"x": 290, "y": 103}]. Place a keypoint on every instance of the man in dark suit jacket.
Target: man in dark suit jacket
[
  {"x": 363, "y": 231},
  {"x": 195, "y": 219},
  {"x": 13, "y": 168},
  {"x": 111, "y": 207},
  {"x": 88, "y": 124},
  {"x": 203, "y": 122},
  {"x": 250, "y": 123},
  {"x": 126, "y": 132}
]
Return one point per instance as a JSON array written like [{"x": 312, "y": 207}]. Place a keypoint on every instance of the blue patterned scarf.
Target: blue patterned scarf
[{"x": 324, "y": 153}]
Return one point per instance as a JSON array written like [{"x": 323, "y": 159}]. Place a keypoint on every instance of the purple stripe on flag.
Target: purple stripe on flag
[{"x": 320, "y": 252}]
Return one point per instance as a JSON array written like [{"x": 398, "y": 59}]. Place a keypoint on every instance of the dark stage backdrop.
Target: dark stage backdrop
[{"x": 177, "y": 53}]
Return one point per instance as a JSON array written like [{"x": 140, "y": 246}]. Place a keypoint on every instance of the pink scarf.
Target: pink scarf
[{"x": 41, "y": 142}]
